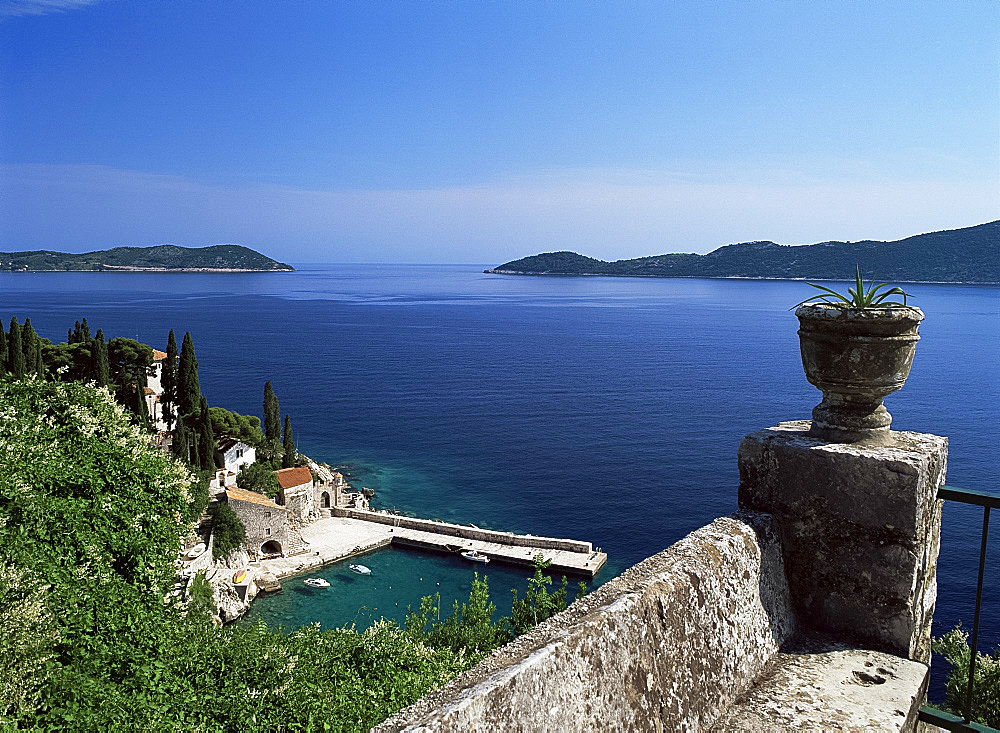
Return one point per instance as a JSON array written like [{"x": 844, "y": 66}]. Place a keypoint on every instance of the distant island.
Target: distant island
[
  {"x": 969, "y": 255},
  {"x": 161, "y": 258}
]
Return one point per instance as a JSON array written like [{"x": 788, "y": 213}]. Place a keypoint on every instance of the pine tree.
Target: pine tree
[
  {"x": 15, "y": 352},
  {"x": 188, "y": 388},
  {"x": 206, "y": 438},
  {"x": 102, "y": 369},
  {"x": 168, "y": 380},
  {"x": 288, "y": 460},
  {"x": 3, "y": 349},
  {"x": 272, "y": 415}
]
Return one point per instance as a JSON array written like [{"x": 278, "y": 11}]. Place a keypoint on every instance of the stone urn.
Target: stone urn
[{"x": 856, "y": 356}]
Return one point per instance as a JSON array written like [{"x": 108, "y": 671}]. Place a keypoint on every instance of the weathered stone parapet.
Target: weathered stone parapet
[
  {"x": 860, "y": 529},
  {"x": 668, "y": 645},
  {"x": 831, "y": 687}
]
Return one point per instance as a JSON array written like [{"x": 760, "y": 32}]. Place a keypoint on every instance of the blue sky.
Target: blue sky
[{"x": 478, "y": 132}]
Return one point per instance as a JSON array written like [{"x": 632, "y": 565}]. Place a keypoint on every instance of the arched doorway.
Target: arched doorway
[
  {"x": 325, "y": 500},
  {"x": 271, "y": 547}
]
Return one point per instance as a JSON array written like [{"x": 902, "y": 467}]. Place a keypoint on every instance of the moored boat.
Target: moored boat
[
  {"x": 475, "y": 556},
  {"x": 317, "y": 583},
  {"x": 361, "y": 569}
]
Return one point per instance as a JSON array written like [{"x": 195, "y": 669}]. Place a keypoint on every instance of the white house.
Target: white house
[
  {"x": 154, "y": 390},
  {"x": 236, "y": 455}
]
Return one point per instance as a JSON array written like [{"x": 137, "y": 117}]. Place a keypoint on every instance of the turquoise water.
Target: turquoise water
[
  {"x": 400, "y": 577},
  {"x": 604, "y": 409}
]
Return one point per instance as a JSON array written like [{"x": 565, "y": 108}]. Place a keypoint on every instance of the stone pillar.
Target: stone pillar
[{"x": 860, "y": 529}]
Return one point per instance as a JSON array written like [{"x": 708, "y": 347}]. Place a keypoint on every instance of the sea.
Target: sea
[{"x": 601, "y": 409}]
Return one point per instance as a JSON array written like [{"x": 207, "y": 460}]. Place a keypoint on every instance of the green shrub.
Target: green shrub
[
  {"x": 954, "y": 646},
  {"x": 200, "y": 601},
  {"x": 227, "y": 530},
  {"x": 538, "y": 604}
]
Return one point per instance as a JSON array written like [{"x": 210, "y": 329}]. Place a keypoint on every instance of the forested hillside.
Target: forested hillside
[{"x": 969, "y": 255}]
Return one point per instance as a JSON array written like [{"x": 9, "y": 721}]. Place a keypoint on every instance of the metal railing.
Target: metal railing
[{"x": 932, "y": 715}]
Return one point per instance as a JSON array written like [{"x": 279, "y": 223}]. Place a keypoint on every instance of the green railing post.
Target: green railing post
[
  {"x": 928, "y": 713},
  {"x": 974, "y": 645}
]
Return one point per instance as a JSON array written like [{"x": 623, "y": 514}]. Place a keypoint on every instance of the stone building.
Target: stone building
[
  {"x": 266, "y": 523},
  {"x": 330, "y": 489},
  {"x": 297, "y": 493}
]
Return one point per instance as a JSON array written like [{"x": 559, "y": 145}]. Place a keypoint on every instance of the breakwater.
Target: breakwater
[{"x": 352, "y": 532}]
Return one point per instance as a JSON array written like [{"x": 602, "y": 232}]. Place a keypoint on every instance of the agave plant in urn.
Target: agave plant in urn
[{"x": 857, "y": 349}]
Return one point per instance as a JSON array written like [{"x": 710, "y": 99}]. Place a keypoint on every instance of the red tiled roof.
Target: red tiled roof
[
  {"x": 289, "y": 477},
  {"x": 234, "y": 492},
  {"x": 159, "y": 355},
  {"x": 148, "y": 390}
]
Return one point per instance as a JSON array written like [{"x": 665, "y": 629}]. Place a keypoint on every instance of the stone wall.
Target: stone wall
[
  {"x": 263, "y": 523},
  {"x": 668, "y": 645},
  {"x": 298, "y": 500},
  {"x": 464, "y": 532}
]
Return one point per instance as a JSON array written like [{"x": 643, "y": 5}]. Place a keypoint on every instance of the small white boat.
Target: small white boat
[
  {"x": 475, "y": 556},
  {"x": 317, "y": 583},
  {"x": 361, "y": 569},
  {"x": 195, "y": 551}
]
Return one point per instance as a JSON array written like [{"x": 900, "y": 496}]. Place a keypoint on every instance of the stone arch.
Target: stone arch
[
  {"x": 271, "y": 547},
  {"x": 324, "y": 500}
]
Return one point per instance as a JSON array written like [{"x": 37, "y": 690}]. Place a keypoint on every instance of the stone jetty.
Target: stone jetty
[{"x": 354, "y": 532}]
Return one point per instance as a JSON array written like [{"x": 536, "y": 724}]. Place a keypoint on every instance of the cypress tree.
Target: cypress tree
[
  {"x": 288, "y": 460},
  {"x": 85, "y": 332},
  {"x": 15, "y": 352},
  {"x": 39, "y": 366},
  {"x": 141, "y": 410},
  {"x": 3, "y": 349},
  {"x": 102, "y": 369},
  {"x": 188, "y": 388},
  {"x": 168, "y": 380},
  {"x": 179, "y": 444},
  {"x": 30, "y": 346},
  {"x": 272, "y": 415},
  {"x": 206, "y": 438}
]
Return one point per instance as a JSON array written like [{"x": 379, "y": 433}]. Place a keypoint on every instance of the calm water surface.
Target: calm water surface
[{"x": 603, "y": 409}]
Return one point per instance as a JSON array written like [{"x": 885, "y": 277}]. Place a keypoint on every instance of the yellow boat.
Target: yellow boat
[{"x": 240, "y": 577}]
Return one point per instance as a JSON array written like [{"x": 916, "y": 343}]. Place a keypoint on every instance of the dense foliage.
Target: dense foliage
[
  {"x": 228, "y": 532},
  {"x": 954, "y": 646},
  {"x": 91, "y": 520},
  {"x": 259, "y": 477},
  {"x": 957, "y": 255},
  {"x": 164, "y": 256},
  {"x": 236, "y": 426}
]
